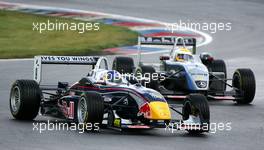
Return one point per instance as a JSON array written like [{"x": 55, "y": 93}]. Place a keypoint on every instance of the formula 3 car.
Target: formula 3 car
[
  {"x": 183, "y": 72},
  {"x": 103, "y": 97}
]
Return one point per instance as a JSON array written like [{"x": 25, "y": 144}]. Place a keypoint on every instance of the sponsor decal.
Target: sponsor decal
[
  {"x": 67, "y": 59},
  {"x": 117, "y": 122},
  {"x": 144, "y": 110},
  {"x": 68, "y": 111}
]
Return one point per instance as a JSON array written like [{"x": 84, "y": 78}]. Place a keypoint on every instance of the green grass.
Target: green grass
[{"x": 18, "y": 40}]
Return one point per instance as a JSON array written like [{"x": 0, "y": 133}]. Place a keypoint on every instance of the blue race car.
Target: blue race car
[{"x": 182, "y": 72}]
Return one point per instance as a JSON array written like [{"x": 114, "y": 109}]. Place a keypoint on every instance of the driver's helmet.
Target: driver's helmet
[
  {"x": 111, "y": 76},
  {"x": 183, "y": 55}
]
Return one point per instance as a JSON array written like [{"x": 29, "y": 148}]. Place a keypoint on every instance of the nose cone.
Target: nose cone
[{"x": 159, "y": 111}]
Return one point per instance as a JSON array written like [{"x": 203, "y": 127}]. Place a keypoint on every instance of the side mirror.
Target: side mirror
[{"x": 164, "y": 58}]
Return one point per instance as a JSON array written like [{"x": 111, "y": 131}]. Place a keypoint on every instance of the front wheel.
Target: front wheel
[
  {"x": 123, "y": 65},
  {"x": 196, "y": 106},
  {"x": 25, "y": 99},
  {"x": 245, "y": 84},
  {"x": 90, "y": 109}
]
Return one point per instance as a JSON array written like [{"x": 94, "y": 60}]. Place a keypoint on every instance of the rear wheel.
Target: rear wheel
[
  {"x": 197, "y": 105},
  {"x": 123, "y": 65},
  {"x": 90, "y": 109},
  {"x": 244, "y": 81},
  {"x": 218, "y": 66},
  {"x": 148, "y": 73},
  {"x": 25, "y": 99}
]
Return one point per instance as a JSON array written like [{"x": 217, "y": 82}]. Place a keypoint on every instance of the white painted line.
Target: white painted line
[{"x": 16, "y": 59}]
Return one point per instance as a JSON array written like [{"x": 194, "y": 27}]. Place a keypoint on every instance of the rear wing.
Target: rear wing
[
  {"x": 167, "y": 41},
  {"x": 94, "y": 61},
  {"x": 173, "y": 41}
]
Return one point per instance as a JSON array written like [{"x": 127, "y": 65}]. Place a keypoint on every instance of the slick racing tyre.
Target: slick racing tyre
[
  {"x": 110, "y": 118},
  {"x": 218, "y": 66},
  {"x": 25, "y": 99},
  {"x": 197, "y": 105},
  {"x": 123, "y": 65},
  {"x": 244, "y": 81},
  {"x": 90, "y": 109},
  {"x": 147, "y": 72}
]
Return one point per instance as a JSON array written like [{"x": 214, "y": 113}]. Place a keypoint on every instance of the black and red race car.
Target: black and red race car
[{"x": 103, "y": 97}]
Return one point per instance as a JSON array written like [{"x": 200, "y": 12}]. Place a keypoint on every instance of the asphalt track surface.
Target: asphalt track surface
[{"x": 240, "y": 47}]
